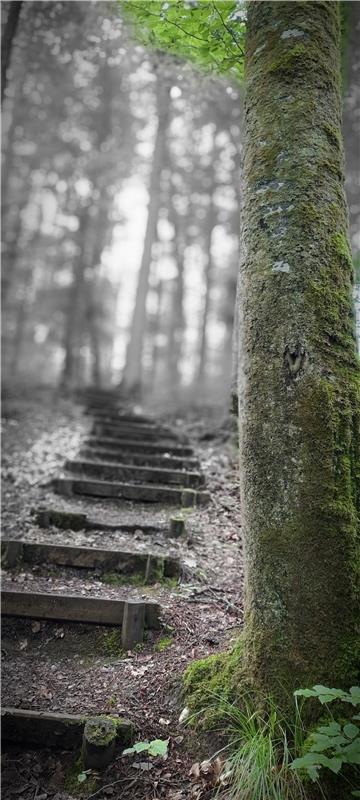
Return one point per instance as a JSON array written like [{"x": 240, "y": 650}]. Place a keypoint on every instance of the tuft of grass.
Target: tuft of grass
[
  {"x": 110, "y": 644},
  {"x": 79, "y": 788},
  {"x": 260, "y": 749},
  {"x": 163, "y": 644},
  {"x": 117, "y": 579},
  {"x": 170, "y": 583}
]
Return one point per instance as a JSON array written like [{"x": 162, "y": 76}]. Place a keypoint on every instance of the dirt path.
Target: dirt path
[{"x": 73, "y": 667}]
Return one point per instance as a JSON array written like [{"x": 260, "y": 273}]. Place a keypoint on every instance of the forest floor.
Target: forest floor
[{"x": 78, "y": 668}]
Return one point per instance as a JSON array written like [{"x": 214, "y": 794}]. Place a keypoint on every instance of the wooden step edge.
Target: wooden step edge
[
  {"x": 146, "y": 437},
  {"x": 117, "y": 416},
  {"x": 48, "y": 729},
  {"x": 138, "y": 492},
  {"x": 130, "y": 444},
  {"x": 187, "y": 475},
  {"x": 150, "y": 565},
  {"x": 116, "y": 489},
  {"x": 139, "y": 425},
  {"x": 73, "y": 520},
  {"x": 137, "y": 459},
  {"x": 74, "y": 608}
]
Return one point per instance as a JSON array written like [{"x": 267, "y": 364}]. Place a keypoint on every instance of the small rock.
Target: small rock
[{"x": 184, "y": 716}]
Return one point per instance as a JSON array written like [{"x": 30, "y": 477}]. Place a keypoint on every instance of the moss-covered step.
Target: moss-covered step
[
  {"x": 51, "y": 729},
  {"x": 134, "y": 473},
  {"x": 127, "y": 457},
  {"x": 135, "y": 446},
  {"x": 148, "y": 565},
  {"x": 74, "y": 521},
  {"x": 72, "y": 608},
  {"x": 141, "y": 493},
  {"x": 133, "y": 432}
]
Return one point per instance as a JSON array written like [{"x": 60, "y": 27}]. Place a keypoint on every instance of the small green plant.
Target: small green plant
[
  {"x": 332, "y": 745},
  {"x": 112, "y": 701},
  {"x": 169, "y": 583},
  {"x": 163, "y": 644},
  {"x": 77, "y": 777},
  {"x": 155, "y": 748},
  {"x": 117, "y": 579},
  {"x": 110, "y": 643},
  {"x": 83, "y": 776}
]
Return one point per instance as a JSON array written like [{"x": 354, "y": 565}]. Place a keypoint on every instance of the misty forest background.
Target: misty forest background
[{"x": 121, "y": 203}]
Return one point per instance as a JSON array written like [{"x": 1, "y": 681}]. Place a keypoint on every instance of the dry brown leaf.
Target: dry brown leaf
[{"x": 195, "y": 770}]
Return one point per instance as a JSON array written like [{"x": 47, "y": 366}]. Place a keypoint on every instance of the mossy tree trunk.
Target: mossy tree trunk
[{"x": 298, "y": 371}]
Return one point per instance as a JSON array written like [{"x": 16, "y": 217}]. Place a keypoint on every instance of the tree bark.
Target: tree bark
[
  {"x": 69, "y": 375},
  {"x": 298, "y": 371},
  {"x": 7, "y": 41},
  {"x": 94, "y": 337},
  {"x": 235, "y": 345},
  {"x": 208, "y": 282},
  {"x": 176, "y": 333},
  {"x": 12, "y": 246},
  {"x": 131, "y": 381}
]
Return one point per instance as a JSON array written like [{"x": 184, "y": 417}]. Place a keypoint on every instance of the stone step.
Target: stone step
[
  {"x": 52, "y": 729},
  {"x": 134, "y": 474},
  {"x": 141, "y": 493},
  {"x": 73, "y": 608},
  {"x": 133, "y": 432},
  {"x": 75, "y": 521},
  {"x": 151, "y": 567},
  {"x": 134, "y": 446},
  {"x": 126, "y": 457}
]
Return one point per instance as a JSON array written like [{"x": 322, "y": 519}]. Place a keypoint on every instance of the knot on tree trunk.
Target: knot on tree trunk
[{"x": 294, "y": 360}]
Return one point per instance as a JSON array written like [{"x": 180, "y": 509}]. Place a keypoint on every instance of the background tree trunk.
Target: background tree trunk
[
  {"x": 210, "y": 223},
  {"x": 94, "y": 336},
  {"x": 76, "y": 295},
  {"x": 131, "y": 380},
  {"x": 298, "y": 372},
  {"x": 7, "y": 41},
  {"x": 176, "y": 336}
]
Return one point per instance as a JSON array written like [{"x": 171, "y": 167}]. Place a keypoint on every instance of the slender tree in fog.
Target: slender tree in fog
[
  {"x": 131, "y": 380},
  {"x": 7, "y": 38}
]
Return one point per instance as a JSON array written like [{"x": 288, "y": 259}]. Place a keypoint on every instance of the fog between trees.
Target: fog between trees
[{"x": 120, "y": 209}]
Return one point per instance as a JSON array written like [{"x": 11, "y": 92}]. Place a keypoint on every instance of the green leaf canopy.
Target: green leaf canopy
[{"x": 209, "y": 34}]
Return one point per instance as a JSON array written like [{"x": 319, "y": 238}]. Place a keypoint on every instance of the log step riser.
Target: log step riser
[
  {"x": 99, "y": 454},
  {"x": 140, "y": 494},
  {"x": 147, "y": 564},
  {"x": 47, "y": 729},
  {"x": 127, "y": 432},
  {"x": 74, "y": 521},
  {"x": 128, "y": 445},
  {"x": 137, "y": 474},
  {"x": 71, "y": 608},
  {"x": 141, "y": 428}
]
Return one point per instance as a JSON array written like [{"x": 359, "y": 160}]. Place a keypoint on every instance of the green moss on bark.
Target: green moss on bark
[
  {"x": 211, "y": 679},
  {"x": 298, "y": 373}
]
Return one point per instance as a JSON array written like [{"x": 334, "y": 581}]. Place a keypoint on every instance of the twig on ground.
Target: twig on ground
[{"x": 114, "y": 783}]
